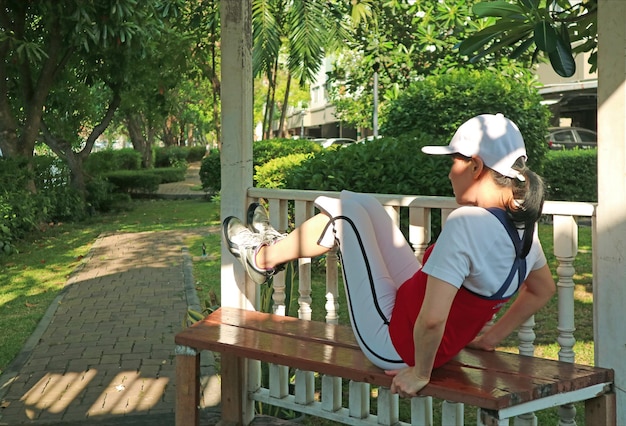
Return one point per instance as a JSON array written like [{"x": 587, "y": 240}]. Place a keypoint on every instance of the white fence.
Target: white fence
[{"x": 414, "y": 215}]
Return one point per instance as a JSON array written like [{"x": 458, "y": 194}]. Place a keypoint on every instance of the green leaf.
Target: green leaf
[
  {"x": 562, "y": 60},
  {"x": 523, "y": 47},
  {"x": 482, "y": 37},
  {"x": 509, "y": 40},
  {"x": 545, "y": 36},
  {"x": 474, "y": 43},
  {"x": 497, "y": 9},
  {"x": 530, "y": 4}
]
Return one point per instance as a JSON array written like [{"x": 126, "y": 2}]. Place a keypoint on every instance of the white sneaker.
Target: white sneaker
[{"x": 244, "y": 245}]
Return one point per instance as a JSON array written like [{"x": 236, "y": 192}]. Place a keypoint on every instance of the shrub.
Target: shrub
[
  {"x": 52, "y": 180},
  {"x": 273, "y": 173},
  {"x": 21, "y": 210},
  {"x": 169, "y": 174},
  {"x": 101, "y": 196},
  {"x": 110, "y": 160},
  {"x": 386, "y": 165},
  {"x": 210, "y": 171},
  {"x": 130, "y": 181},
  {"x": 171, "y": 156},
  {"x": 196, "y": 153},
  {"x": 263, "y": 151},
  {"x": 270, "y": 149},
  {"x": 571, "y": 175},
  {"x": 439, "y": 104}
]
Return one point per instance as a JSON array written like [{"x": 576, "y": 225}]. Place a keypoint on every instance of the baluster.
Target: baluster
[
  {"x": 419, "y": 230},
  {"x": 331, "y": 393},
  {"x": 303, "y": 211},
  {"x": 565, "y": 250},
  {"x": 422, "y": 411},
  {"x": 279, "y": 380},
  {"x": 305, "y": 387},
  {"x": 452, "y": 413},
  {"x": 277, "y": 210},
  {"x": 526, "y": 336},
  {"x": 332, "y": 287},
  {"x": 526, "y": 419},
  {"x": 359, "y": 399},
  {"x": 387, "y": 407}
]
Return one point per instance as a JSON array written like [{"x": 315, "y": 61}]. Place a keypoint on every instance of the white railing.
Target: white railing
[{"x": 414, "y": 215}]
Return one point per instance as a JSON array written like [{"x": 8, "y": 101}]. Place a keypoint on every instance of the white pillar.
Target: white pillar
[
  {"x": 237, "y": 135},
  {"x": 236, "y": 159},
  {"x": 609, "y": 286}
]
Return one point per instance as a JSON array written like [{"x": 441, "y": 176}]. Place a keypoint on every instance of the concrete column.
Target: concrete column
[
  {"x": 610, "y": 250},
  {"x": 236, "y": 158},
  {"x": 237, "y": 134}
]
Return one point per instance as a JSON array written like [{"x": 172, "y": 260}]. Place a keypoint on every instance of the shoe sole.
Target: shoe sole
[
  {"x": 250, "y": 216},
  {"x": 233, "y": 248}
]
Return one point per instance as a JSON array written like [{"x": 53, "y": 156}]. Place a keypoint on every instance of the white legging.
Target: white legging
[{"x": 376, "y": 259}]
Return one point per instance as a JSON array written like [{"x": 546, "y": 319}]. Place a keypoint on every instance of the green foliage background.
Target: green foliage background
[{"x": 439, "y": 104}]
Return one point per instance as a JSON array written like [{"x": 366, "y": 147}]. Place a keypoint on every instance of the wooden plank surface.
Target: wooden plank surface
[{"x": 511, "y": 379}]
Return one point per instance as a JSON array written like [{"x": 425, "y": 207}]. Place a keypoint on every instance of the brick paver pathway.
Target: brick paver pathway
[{"x": 107, "y": 353}]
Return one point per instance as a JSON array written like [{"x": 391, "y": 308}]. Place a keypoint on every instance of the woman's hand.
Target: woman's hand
[
  {"x": 482, "y": 344},
  {"x": 406, "y": 383}
]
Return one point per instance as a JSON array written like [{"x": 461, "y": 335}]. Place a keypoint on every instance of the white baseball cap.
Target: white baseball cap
[{"x": 493, "y": 138}]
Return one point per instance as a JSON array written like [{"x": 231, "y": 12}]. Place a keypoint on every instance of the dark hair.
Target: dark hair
[{"x": 528, "y": 198}]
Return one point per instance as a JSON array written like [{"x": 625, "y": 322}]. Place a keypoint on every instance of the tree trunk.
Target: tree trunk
[
  {"x": 168, "y": 134},
  {"x": 75, "y": 160},
  {"x": 266, "y": 115},
  {"x": 272, "y": 102},
  {"x": 283, "y": 110},
  {"x": 139, "y": 141},
  {"x": 215, "y": 82}
]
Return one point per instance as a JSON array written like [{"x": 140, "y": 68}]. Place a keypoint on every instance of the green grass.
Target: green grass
[{"x": 32, "y": 278}]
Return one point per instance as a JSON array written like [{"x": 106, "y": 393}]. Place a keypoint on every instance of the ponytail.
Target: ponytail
[{"x": 528, "y": 198}]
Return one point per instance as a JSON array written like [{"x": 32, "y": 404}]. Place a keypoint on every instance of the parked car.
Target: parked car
[
  {"x": 368, "y": 138},
  {"x": 571, "y": 137},
  {"x": 337, "y": 141}
]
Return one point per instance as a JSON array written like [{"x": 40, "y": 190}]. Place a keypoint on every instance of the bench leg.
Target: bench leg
[
  {"x": 601, "y": 410},
  {"x": 187, "y": 386},
  {"x": 233, "y": 391}
]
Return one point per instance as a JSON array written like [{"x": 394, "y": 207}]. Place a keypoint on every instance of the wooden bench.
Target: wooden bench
[{"x": 503, "y": 385}]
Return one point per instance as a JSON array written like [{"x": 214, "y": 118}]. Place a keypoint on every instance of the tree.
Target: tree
[
  {"x": 404, "y": 41},
  {"x": 305, "y": 31},
  {"x": 50, "y": 45},
  {"x": 557, "y": 29}
]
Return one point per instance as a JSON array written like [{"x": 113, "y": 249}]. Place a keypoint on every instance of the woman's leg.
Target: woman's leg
[
  {"x": 369, "y": 244},
  {"x": 367, "y": 241},
  {"x": 396, "y": 252},
  {"x": 301, "y": 242}
]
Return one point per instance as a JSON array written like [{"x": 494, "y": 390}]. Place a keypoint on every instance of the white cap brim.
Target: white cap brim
[{"x": 438, "y": 150}]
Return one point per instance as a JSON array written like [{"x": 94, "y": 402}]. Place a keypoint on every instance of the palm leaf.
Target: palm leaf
[
  {"x": 498, "y": 8},
  {"x": 266, "y": 33}
]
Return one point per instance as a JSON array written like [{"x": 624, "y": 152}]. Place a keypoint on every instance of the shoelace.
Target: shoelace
[{"x": 246, "y": 238}]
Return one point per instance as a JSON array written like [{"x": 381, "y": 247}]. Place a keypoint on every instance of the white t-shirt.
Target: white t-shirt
[{"x": 475, "y": 251}]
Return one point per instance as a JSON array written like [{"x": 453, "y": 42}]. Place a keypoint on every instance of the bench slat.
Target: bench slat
[
  {"x": 302, "y": 354},
  {"x": 491, "y": 380}
]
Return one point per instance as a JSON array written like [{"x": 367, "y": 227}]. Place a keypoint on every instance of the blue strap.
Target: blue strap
[{"x": 519, "y": 264}]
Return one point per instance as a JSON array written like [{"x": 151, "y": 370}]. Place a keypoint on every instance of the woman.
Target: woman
[{"x": 409, "y": 318}]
